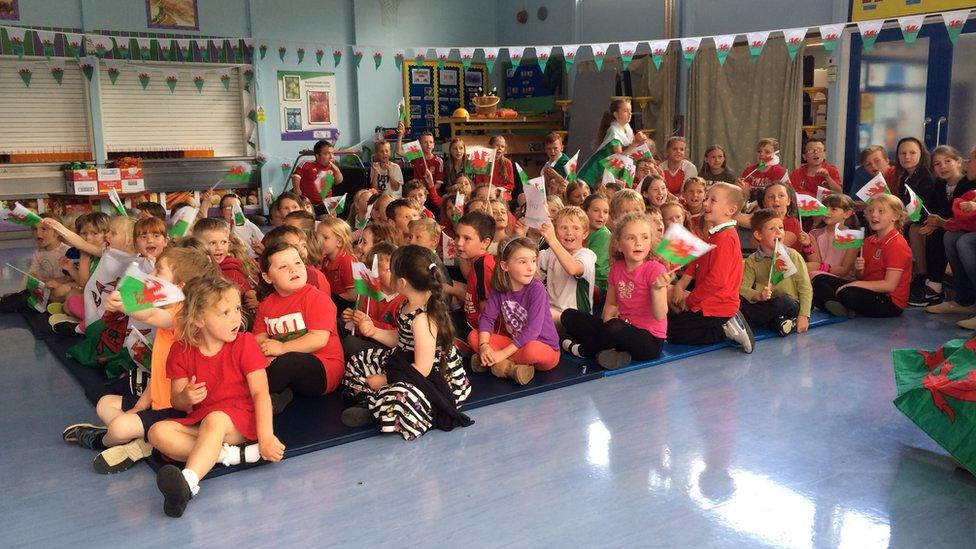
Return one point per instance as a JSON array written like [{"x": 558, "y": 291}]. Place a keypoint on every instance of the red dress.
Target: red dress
[
  {"x": 289, "y": 317},
  {"x": 226, "y": 377}
]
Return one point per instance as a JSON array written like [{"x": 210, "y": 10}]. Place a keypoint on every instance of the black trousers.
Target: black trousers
[
  {"x": 595, "y": 335},
  {"x": 14, "y": 302},
  {"x": 694, "y": 328},
  {"x": 303, "y": 372},
  {"x": 766, "y": 313},
  {"x": 935, "y": 256},
  {"x": 862, "y": 302},
  {"x": 353, "y": 345}
]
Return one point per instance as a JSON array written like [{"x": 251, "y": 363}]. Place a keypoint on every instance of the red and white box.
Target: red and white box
[
  {"x": 133, "y": 180},
  {"x": 109, "y": 178},
  {"x": 83, "y": 182}
]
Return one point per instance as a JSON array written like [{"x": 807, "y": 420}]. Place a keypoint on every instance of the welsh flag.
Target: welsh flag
[
  {"x": 823, "y": 192},
  {"x": 401, "y": 111},
  {"x": 914, "y": 207},
  {"x": 116, "y": 200},
  {"x": 937, "y": 391},
  {"x": 458, "y": 208},
  {"x": 480, "y": 160},
  {"x": 808, "y": 206},
  {"x": 640, "y": 152},
  {"x": 325, "y": 181},
  {"x": 240, "y": 172},
  {"x": 38, "y": 294},
  {"x": 523, "y": 178},
  {"x": 239, "y": 218},
  {"x": 412, "y": 151},
  {"x": 783, "y": 266},
  {"x": 571, "y": 166},
  {"x": 877, "y": 185},
  {"x": 184, "y": 219},
  {"x": 141, "y": 291},
  {"x": 335, "y": 204},
  {"x": 367, "y": 281},
  {"x": 845, "y": 239},
  {"x": 21, "y": 216},
  {"x": 621, "y": 166},
  {"x": 680, "y": 246},
  {"x": 607, "y": 177},
  {"x": 774, "y": 161},
  {"x": 448, "y": 250}
]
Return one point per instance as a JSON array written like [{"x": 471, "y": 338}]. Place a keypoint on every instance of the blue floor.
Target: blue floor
[{"x": 796, "y": 445}]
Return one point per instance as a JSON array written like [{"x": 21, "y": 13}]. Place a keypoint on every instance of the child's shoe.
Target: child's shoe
[
  {"x": 476, "y": 365},
  {"x": 55, "y": 308},
  {"x": 521, "y": 373},
  {"x": 121, "y": 458},
  {"x": 573, "y": 348},
  {"x": 85, "y": 435},
  {"x": 280, "y": 400},
  {"x": 356, "y": 416},
  {"x": 836, "y": 308},
  {"x": 738, "y": 330},
  {"x": 785, "y": 326},
  {"x": 611, "y": 360},
  {"x": 176, "y": 491}
]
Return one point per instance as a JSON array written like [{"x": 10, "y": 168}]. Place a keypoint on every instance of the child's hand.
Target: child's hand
[
  {"x": 272, "y": 347},
  {"x": 767, "y": 293},
  {"x": 257, "y": 246},
  {"x": 822, "y": 172},
  {"x": 802, "y": 324},
  {"x": 639, "y": 138},
  {"x": 662, "y": 281},
  {"x": 113, "y": 303},
  {"x": 377, "y": 381},
  {"x": 271, "y": 448},
  {"x": 859, "y": 264},
  {"x": 206, "y": 198},
  {"x": 487, "y": 355},
  {"x": 804, "y": 238},
  {"x": 548, "y": 232},
  {"x": 54, "y": 225},
  {"x": 967, "y": 206},
  {"x": 401, "y": 128},
  {"x": 365, "y": 325},
  {"x": 520, "y": 227},
  {"x": 251, "y": 299},
  {"x": 678, "y": 299},
  {"x": 67, "y": 264},
  {"x": 429, "y": 178},
  {"x": 194, "y": 392},
  {"x": 550, "y": 173},
  {"x": 744, "y": 184}
]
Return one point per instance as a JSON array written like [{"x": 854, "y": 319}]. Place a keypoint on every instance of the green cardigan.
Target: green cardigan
[{"x": 755, "y": 276}]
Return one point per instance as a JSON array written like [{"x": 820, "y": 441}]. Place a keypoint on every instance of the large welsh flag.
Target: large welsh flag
[
  {"x": 846, "y": 239},
  {"x": 680, "y": 246},
  {"x": 141, "y": 290},
  {"x": 808, "y": 206},
  {"x": 412, "y": 151},
  {"x": 366, "y": 281},
  {"x": 937, "y": 391},
  {"x": 479, "y": 160}
]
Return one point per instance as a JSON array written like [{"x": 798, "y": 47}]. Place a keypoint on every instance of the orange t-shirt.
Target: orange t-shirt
[{"x": 159, "y": 383}]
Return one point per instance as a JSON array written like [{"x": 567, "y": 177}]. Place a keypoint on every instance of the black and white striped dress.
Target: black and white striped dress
[{"x": 401, "y": 407}]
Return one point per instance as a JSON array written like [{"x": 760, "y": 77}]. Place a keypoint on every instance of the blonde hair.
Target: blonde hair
[
  {"x": 554, "y": 201},
  {"x": 315, "y": 246},
  {"x": 202, "y": 293},
  {"x": 188, "y": 263},
  {"x": 572, "y": 213},
  {"x": 239, "y": 250},
  {"x": 685, "y": 216},
  {"x": 428, "y": 226},
  {"x": 351, "y": 218},
  {"x": 341, "y": 230},
  {"x": 623, "y": 196},
  {"x": 895, "y": 204},
  {"x": 733, "y": 193},
  {"x": 772, "y": 141},
  {"x": 124, "y": 225},
  {"x": 693, "y": 181}
]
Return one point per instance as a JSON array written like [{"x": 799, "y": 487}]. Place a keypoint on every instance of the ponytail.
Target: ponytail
[
  {"x": 418, "y": 266},
  {"x": 608, "y": 119}
]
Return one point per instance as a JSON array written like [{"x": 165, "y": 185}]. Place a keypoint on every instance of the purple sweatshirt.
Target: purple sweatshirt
[{"x": 525, "y": 314}]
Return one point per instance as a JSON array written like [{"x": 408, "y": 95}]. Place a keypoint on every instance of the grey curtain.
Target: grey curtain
[
  {"x": 648, "y": 81},
  {"x": 744, "y": 101}
]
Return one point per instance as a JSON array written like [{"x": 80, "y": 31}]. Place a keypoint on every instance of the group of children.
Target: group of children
[{"x": 427, "y": 279}]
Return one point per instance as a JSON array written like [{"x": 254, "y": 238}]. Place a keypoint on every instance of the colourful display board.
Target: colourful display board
[
  {"x": 863, "y": 10},
  {"x": 430, "y": 92}
]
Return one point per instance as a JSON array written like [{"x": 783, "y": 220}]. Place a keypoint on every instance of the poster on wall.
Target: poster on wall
[
  {"x": 863, "y": 10},
  {"x": 172, "y": 14},
  {"x": 307, "y": 103},
  {"x": 9, "y": 10}
]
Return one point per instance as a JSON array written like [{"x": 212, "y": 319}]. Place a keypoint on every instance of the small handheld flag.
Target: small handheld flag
[
  {"x": 448, "y": 250},
  {"x": 680, "y": 246},
  {"x": 640, "y": 152},
  {"x": 38, "y": 294},
  {"x": 782, "y": 267},
  {"x": 239, "y": 218},
  {"x": 808, "y": 206},
  {"x": 401, "y": 111},
  {"x": 846, "y": 239},
  {"x": 571, "y": 167},
  {"x": 335, "y": 204},
  {"x": 823, "y": 192},
  {"x": 621, "y": 166},
  {"x": 480, "y": 160},
  {"x": 763, "y": 165},
  {"x": 141, "y": 291},
  {"x": 325, "y": 181},
  {"x": 877, "y": 185},
  {"x": 607, "y": 178},
  {"x": 182, "y": 221},
  {"x": 458, "y": 208},
  {"x": 22, "y": 216},
  {"x": 412, "y": 151},
  {"x": 915, "y": 206},
  {"x": 367, "y": 281},
  {"x": 523, "y": 178},
  {"x": 116, "y": 200}
]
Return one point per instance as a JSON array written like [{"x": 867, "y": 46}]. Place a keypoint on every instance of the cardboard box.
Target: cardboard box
[
  {"x": 109, "y": 178},
  {"x": 83, "y": 182},
  {"x": 133, "y": 185},
  {"x": 132, "y": 173}
]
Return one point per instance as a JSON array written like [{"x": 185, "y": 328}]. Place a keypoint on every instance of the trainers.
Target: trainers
[
  {"x": 476, "y": 365},
  {"x": 70, "y": 433},
  {"x": 933, "y": 297},
  {"x": 951, "y": 308},
  {"x": 738, "y": 330},
  {"x": 86, "y": 436},
  {"x": 785, "y": 326},
  {"x": 357, "y": 416},
  {"x": 836, "y": 308},
  {"x": 969, "y": 323},
  {"x": 280, "y": 400},
  {"x": 175, "y": 490},
  {"x": 611, "y": 360},
  {"x": 121, "y": 458}
]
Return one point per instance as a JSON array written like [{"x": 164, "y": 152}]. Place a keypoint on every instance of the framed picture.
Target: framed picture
[
  {"x": 9, "y": 10},
  {"x": 318, "y": 108},
  {"x": 172, "y": 14},
  {"x": 293, "y": 119},
  {"x": 293, "y": 88}
]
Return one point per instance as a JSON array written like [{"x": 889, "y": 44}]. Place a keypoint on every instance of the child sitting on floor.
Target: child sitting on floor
[
  {"x": 567, "y": 266},
  {"x": 597, "y": 209},
  {"x": 401, "y": 212},
  {"x": 635, "y": 316},
  {"x": 45, "y": 264},
  {"x": 519, "y": 300},
  {"x": 383, "y": 311},
  {"x": 475, "y": 231},
  {"x": 218, "y": 378},
  {"x": 338, "y": 259},
  {"x": 779, "y": 305},
  {"x": 827, "y": 258}
]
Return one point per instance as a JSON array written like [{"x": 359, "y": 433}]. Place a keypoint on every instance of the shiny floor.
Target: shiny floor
[{"x": 797, "y": 445}]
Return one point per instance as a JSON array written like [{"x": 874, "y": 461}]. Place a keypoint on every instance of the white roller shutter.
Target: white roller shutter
[
  {"x": 134, "y": 119},
  {"x": 44, "y": 117}
]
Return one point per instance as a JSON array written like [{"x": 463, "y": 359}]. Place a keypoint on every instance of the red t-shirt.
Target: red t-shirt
[
  {"x": 792, "y": 225},
  {"x": 476, "y": 290},
  {"x": 504, "y": 177},
  {"x": 231, "y": 269},
  {"x": 891, "y": 252},
  {"x": 339, "y": 271},
  {"x": 317, "y": 279},
  {"x": 676, "y": 179},
  {"x": 807, "y": 184},
  {"x": 422, "y": 164},
  {"x": 758, "y": 180},
  {"x": 383, "y": 313},
  {"x": 286, "y": 318},
  {"x": 717, "y": 276},
  {"x": 226, "y": 377},
  {"x": 309, "y": 172}
]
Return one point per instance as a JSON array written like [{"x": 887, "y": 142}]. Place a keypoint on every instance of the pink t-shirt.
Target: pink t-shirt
[
  {"x": 634, "y": 295},
  {"x": 824, "y": 240}
]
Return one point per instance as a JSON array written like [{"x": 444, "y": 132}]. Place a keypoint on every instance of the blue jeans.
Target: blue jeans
[{"x": 960, "y": 248}]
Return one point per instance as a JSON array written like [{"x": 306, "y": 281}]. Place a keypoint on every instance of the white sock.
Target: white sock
[
  {"x": 936, "y": 286},
  {"x": 192, "y": 480},
  {"x": 231, "y": 455}
]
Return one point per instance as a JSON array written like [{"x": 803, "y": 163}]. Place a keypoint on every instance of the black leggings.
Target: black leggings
[
  {"x": 694, "y": 328},
  {"x": 595, "y": 335},
  {"x": 303, "y": 372},
  {"x": 14, "y": 302},
  {"x": 767, "y": 313},
  {"x": 862, "y": 302}
]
